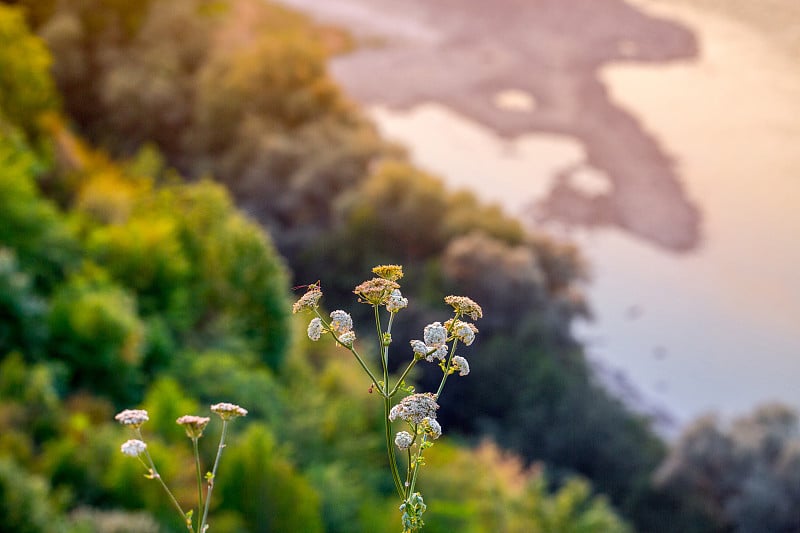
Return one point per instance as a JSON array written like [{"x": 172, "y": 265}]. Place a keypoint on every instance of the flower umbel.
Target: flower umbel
[
  {"x": 403, "y": 440},
  {"x": 228, "y": 411},
  {"x": 194, "y": 425},
  {"x": 431, "y": 428},
  {"x": 347, "y": 338},
  {"x": 465, "y": 306},
  {"x": 390, "y": 272},
  {"x": 310, "y": 300},
  {"x": 341, "y": 322},
  {"x": 435, "y": 334},
  {"x": 133, "y": 447},
  {"x": 375, "y": 291},
  {"x": 415, "y": 408},
  {"x": 396, "y": 302},
  {"x": 460, "y": 365},
  {"x": 315, "y": 329},
  {"x": 132, "y": 417}
]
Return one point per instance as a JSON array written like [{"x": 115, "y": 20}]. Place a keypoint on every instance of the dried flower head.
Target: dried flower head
[
  {"x": 341, "y": 322},
  {"x": 310, "y": 300},
  {"x": 460, "y": 365},
  {"x": 435, "y": 334},
  {"x": 132, "y": 417},
  {"x": 415, "y": 408},
  {"x": 315, "y": 329},
  {"x": 375, "y": 291},
  {"x": 396, "y": 302},
  {"x": 403, "y": 440},
  {"x": 431, "y": 427},
  {"x": 390, "y": 272},
  {"x": 347, "y": 338},
  {"x": 228, "y": 411},
  {"x": 133, "y": 447},
  {"x": 194, "y": 425},
  {"x": 465, "y": 306}
]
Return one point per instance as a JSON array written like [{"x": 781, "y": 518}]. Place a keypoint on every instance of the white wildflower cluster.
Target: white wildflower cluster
[
  {"x": 403, "y": 440},
  {"x": 315, "y": 329},
  {"x": 133, "y": 447},
  {"x": 464, "y": 332},
  {"x": 430, "y": 426},
  {"x": 194, "y": 425},
  {"x": 228, "y": 411},
  {"x": 347, "y": 338},
  {"x": 132, "y": 417},
  {"x": 396, "y": 302},
  {"x": 309, "y": 300},
  {"x": 415, "y": 408},
  {"x": 465, "y": 306},
  {"x": 341, "y": 322},
  {"x": 435, "y": 346},
  {"x": 460, "y": 365}
]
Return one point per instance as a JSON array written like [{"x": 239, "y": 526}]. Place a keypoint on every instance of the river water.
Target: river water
[{"x": 696, "y": 284}]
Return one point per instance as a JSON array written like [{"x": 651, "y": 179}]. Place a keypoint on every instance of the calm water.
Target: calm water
[{"x": 716, "y": 328}]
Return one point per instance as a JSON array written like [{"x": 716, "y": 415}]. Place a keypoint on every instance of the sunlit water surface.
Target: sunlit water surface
[{"x": 717, "y": 328}]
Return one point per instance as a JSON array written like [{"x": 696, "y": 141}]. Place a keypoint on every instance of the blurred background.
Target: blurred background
[{"x": 613, "y": 181}]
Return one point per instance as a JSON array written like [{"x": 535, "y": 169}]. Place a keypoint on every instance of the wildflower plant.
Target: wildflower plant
[
  {"x": 194, "y": 427},
  {"x": 402, "y": 405}
]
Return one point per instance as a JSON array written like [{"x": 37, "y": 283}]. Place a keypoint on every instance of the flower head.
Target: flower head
[
  {"x": 460, "y": 365},
  {"x": 440, "y": 354},
  {"x": 375, "y": 291},
  {"x": 194, "y": 425},
  {"x": 403, "y": 440},
  {"x": 341, "y": 322},
  {"x": 396, "y": 302},
  {"x": 420, "y": 349},
  {"x": 132, "y": 417},
  {"x": 390, "y": 272},
  {"x": 465, "y": 306},
  {"x": 133, "y": 447},
  {"x": 310, "y": 300},
  {"x": 463, "y": 331},
  {"x": 347, "y": 338},
  {"x": 431, "y": 427},
  {"x": 435, "y": 334},
  {"x": 228, "y": 411},
  {"x": 415, "y": 408},
  {"x": 315, "y": 329}
]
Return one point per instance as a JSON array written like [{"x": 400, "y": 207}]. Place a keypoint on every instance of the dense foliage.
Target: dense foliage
[{"x": 132, "y": 271}]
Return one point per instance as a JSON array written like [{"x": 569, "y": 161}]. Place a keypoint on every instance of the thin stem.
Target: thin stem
[
  {"x": 355, "y": 353},
  {"x": 416, "y": 466},
  {"x": 387, "y": 405},
  {"x": 447, "y": 367},
  {"x": 387, "y": 402},
  {"x": 154, "y": 473},
  {"x": 199, "y": 477},
  {"x": 403, "y": 376},
  {"x": 212, "y": 481}
]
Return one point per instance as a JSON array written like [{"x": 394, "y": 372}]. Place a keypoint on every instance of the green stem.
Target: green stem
[
  {"x": 417, "y": 467},
  {"x": 156, "y": 475},
  {"x": 403, "y": 376},
  {"x": 447, "y": 367},
  {"x": 212, "y": 481},
  {"x": 355, "y": 353},
  {"x": 199, "y": 477},
  {"x": 387, "y": 402}
]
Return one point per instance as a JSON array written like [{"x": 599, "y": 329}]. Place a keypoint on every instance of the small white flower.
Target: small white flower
[
  {"x": 415, "y": 408},
  {"x": 460, "y": 364},
  {"x": 432, "y": 428},
  {"x": 419, "y": 348},
  {"x": 396, "y": 302},
  {"x": 341, "y": 322},
  {"x": 435, "y": 334},
  {"x": 464, "y": 332},
  {"x": 403, "y": 440},
  {"x": 315, "y": 329},
  {"x": 133, "y": 447},
  {"x": 132, "y": 417},
  {"x": 440, "y": 353},
  {"x": 347, "y": 338},
  {"x": 228, "y": 411}
]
